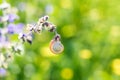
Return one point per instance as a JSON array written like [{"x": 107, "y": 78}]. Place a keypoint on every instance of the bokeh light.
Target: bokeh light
[
  {"x": 67, "y": 73},
  {"x": 116, "y": 66},
  {"x": 85, "y": 54}
]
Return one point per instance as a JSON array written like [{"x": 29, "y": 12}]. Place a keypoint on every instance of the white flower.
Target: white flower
[
  {"x": 5, "y": 18},
  {"x": 21, "y": 35},
  {"x": 29, "y": 27},
  {"x": 9, "y": 57},
  {"x": 18, "y": 48},
  {"x": 2, "y": 59},
  {"x": 4, "y": 5}
]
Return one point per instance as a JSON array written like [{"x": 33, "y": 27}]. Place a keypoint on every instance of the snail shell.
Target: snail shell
[{"x": 56, "y": 47}]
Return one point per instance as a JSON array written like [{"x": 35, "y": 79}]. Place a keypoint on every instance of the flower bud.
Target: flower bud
[
  {"x": 30, "y": 27},
  {"x": 46, "y": 18},
  {"x": 52, "y": 29},
  {"x": 22, "y": 37},
  {"x": 41, "y": 20},
  {"x": 38, "y": 28},
  {"x": 29, "y": 38},
  {"x": 57, "y": 37},
  {"x": 46, "y": 24}
]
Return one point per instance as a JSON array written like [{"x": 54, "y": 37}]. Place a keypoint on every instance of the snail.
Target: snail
[{"x": 56, "y": 46}]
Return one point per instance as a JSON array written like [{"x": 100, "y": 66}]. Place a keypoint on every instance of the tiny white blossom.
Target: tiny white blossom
[
  {"x": 45, "y": 18},
  {"x": 5, "y": 18},
  {"x": 5, "y": 64},
  {"x": 29, "y": 27},
  {"x": 20, "y": 35},
  {"x": 2, "y": 59}
]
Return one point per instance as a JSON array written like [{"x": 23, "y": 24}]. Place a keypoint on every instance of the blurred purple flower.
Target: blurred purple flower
[
  {"x": 19, "y": 28},
  {"x": 2, "y": 38},
  {"x": 0, "y": 33},
  {"x": 2, "y": 72},
  {"x": 11, "y": 28},
  {"x": 12, "y": 17},
  {"x": 0, "y": 19},
  {"x": 15, "y": 28},
  {"x": 4, "y": 42}
]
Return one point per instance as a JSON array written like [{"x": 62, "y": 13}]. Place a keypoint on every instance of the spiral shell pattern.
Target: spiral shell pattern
[{"x": 56, "y": 47}]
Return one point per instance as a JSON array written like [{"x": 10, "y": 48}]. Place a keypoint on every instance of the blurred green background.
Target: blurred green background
[{"x": 90, "y": 32}]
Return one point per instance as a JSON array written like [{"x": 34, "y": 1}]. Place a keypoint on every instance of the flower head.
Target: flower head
[
  {"x": 3, "y": 72},
  {"x": 4, "y": 5},
  {"x": 12, "y": 17},
  {"x": 15, "y": 28}
]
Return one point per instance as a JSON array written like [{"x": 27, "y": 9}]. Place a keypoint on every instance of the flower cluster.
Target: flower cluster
[
  {"x": 43, "y": 24},
  {"x": 8, "y": 48},
  {"x": 7, "y": 29}
]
